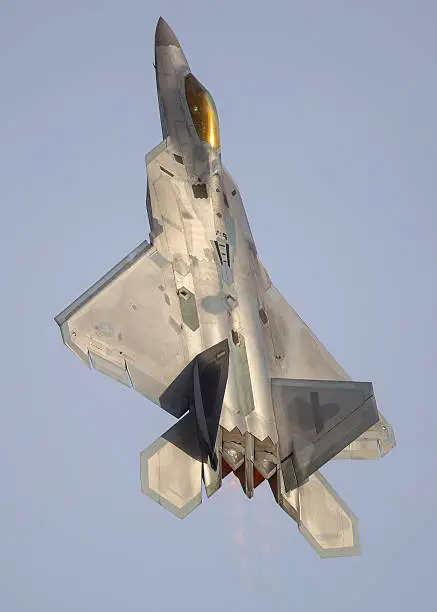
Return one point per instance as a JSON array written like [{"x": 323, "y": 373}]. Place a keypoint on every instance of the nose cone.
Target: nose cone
[{"x": 164, "y": 35}]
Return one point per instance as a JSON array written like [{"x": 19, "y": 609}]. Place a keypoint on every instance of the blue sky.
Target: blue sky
[{"x": 327, "y": 114}]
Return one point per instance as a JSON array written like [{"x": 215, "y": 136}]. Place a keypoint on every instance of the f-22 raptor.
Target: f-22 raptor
[{"x": 193, "y": 322}]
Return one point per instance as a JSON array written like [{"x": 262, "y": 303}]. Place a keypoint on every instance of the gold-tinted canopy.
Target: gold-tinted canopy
[{"x": 203, "y": 111}]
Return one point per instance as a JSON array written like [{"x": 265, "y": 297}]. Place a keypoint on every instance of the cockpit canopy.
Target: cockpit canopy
[{"x": 203, "y": 111}]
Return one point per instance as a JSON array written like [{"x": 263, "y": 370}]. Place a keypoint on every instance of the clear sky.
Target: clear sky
[{"x": 328, "y": 125}]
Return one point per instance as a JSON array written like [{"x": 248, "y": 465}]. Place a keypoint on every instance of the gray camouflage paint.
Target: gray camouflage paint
[{"x": 198, "y": 282}]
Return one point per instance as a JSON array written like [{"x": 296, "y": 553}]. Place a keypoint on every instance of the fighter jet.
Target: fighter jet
[{"x": 192, "y": 321}]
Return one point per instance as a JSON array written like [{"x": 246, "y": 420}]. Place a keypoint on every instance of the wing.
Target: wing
[
  {"x": 300, "y": 355},
  {"x": 128, "y": 324}
]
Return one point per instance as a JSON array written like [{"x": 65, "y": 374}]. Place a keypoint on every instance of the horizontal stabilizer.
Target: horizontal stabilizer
[
  {"x": 324, "y": 520},
  {"x": 316, "y": 420},
  {"x": 372, "y": 444},
  {"x": 171, "y": 468}
]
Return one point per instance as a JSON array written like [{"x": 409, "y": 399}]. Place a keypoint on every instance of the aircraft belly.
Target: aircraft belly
[
  {"x": 260, "y": 421},
  {"x": 232, "y": 415},
  {"x": 214, "y": 324},
  {"x": 193, "y": 322}
]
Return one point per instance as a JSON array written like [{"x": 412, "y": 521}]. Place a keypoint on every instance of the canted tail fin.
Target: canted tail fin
[
  {"x": 200, "y": 388},
  {"x": 316, "y": 419},
  {"x": 173, "y": 466}
]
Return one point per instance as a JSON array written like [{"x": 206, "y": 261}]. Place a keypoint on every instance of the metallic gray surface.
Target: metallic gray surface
[
  {"x": 170, "y": 475},
  {"x": 187, "y": 302},
  {"x": 99, "y": 285},
  {"x": 318, "y": 419},
  {"x": 323, "y": 518},
  {"x": 153, "y": 318},
  {"x": 164, "y": 35}
]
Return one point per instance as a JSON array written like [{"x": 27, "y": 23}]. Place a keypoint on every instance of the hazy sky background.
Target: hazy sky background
[{"x": 328, "y": 125}]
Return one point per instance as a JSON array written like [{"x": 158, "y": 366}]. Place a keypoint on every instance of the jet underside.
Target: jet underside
[{"x": 193, "y": 322}]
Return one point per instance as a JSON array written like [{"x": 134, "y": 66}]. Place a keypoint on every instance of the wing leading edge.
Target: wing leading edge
[
  {"x": 128, "y": 324},
  {"x": 319, "y": 411},
  {"x": 303, "y": 357}
]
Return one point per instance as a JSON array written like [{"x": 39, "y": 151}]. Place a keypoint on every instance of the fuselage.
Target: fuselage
[
  {"x": 192, "y": 322},
  {"x": 214, "y": 256}
]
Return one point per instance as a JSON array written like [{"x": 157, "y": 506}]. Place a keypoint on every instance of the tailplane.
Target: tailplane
[
  {"x": 173, "y": 466},
  {"x": 323, "y": 518}
]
